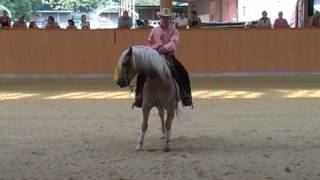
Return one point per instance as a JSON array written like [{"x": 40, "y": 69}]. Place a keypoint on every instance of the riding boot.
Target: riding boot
[
  {"x": 138, "y": 101},
  {"x": 186, "y": 99},
  {"x": 181, "y": 76},
  {"x": 139, "y": 89}
]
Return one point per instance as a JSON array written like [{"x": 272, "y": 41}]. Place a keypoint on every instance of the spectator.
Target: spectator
[
  {"x": 84, "y": 23},
  {"x": 139, "y": 22},
  {"x": 264, "y": 22},
  {"x": 33, "y": 25},
  {"x": 146, "y": 24},
  {"x": 177, "y": 16},
  {"x": 71, "y": 24},
  {"x": 125, "y": 21},
  {"x": 280, "y": 22},
  {"x": 5, "y": 20},
  {"x": 20, "y": 23},
  {"x": 315, "y": 20},
  {"x": 181, "y": 21},
  {"x": 52, "y": 24},
  {"x": 194, "y": 21}
]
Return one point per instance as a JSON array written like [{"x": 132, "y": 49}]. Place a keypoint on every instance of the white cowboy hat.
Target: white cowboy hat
[{"x": 165, "y": 12}]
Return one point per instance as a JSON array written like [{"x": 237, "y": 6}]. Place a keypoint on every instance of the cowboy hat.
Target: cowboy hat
[{"x": 165, "y": 12}]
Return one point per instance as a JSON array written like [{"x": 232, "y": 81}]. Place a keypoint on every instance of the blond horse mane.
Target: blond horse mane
[{"x": 147, "y": 60}]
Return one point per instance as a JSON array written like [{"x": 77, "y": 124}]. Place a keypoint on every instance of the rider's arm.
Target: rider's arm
[
  {"x": 151, "y": 41},
  {"x": 172, "y": 44}
]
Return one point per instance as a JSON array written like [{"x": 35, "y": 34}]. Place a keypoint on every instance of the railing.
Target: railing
[{"x": 201, "y": 50}]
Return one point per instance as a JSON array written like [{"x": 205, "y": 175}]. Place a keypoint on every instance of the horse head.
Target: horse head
[{"x": 127, "y": 72}]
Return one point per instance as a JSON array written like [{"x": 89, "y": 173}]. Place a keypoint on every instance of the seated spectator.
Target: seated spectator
[
  {"x": 280, "y": 22},
  {"x": 33, "y": 25},
  {"x": 264, "y": 22},
  {"x": 315, "y": 20},
  {"x": 181, "y": 21},
  {"x": 5, "y": 20},
  {"x": 194, "y": 21},
  {"x": 84, "y": 23},
  {"x": 125, "y": 22},
  {"x": 177, "y": 16},
  {"x": 71, "y": 24},
  {"x": 20, "y": 23},
  {"x": 139, "y": 22},
  {"x": 143, "y": 24},
  {"x": 146, "y": 24},
  {"x": 52, "y": 24}
]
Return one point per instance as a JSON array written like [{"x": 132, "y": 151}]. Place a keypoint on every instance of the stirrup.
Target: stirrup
[
  {"x": 191, "y": 105},
  {"x": 137, "y": 103},
  {"x": 188, "y": 104},
  {"x": 134, "y": 104},
  {"x": 187, "y": 101}
]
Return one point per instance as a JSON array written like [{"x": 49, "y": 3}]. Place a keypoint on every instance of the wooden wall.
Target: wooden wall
[{"x": 201, "y": 50}]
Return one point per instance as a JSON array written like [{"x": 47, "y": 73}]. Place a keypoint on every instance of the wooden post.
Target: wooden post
[{"x": 165, "y": 4}]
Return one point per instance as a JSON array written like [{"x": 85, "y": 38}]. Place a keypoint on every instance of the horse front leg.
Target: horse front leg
[
  {"x": 144, "y": 127},
  {"x": 170, "y": 116},
  {"x": 161, "y": 114}
]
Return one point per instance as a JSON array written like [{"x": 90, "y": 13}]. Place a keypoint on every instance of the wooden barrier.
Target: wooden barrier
[
  {"x": 51, "y": 52},
  {"x": 201, "y": 50}
]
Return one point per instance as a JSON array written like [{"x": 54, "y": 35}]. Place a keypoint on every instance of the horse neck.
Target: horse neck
[{"x": 143, "y": 66}]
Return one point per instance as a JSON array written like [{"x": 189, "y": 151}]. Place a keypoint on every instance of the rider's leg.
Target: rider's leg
[{"x": 182, "y": 77}]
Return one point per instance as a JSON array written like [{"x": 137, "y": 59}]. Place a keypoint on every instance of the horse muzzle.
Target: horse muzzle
[{"x": 123, "y": 83}]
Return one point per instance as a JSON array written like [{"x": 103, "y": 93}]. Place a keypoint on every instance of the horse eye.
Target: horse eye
[{"x": 126, "y": 63}]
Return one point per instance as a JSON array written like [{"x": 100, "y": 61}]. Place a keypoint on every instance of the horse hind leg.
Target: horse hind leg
[
  {"x": 170, "y": 116},
  {"x": 144, "y": 127},
  {"x": 161, "y": 114}
]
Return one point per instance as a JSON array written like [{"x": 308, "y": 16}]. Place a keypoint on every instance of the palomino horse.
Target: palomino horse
[{"x": 160, "y": 89}]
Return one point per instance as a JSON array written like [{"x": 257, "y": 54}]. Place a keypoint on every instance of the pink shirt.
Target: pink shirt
[
  {"x": 168, "y": 38},
  {"x": 280, "y": 23}
]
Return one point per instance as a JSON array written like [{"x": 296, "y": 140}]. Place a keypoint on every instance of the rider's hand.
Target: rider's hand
[
  {"x": 162, "y": 50},
  {"x": 157, "y": 47}
]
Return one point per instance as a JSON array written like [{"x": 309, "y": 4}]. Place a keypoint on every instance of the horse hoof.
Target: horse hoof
[
  {"x": 164, "y": 137},
  {"x": 139, "y": 148},
  {"x": 166, "y": 149}
]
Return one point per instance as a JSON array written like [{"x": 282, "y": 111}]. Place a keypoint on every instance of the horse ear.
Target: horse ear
[
  {"x": 130, "y": 51},
  {"x": 128, "y": 56}
]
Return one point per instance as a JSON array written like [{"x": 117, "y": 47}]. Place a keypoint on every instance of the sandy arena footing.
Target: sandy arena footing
[{"x": 242, "y": 128}]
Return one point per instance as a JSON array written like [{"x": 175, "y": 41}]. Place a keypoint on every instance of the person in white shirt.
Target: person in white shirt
[
  {"x": 181, "y": 21},
  {"x": 264, "y": 22}
]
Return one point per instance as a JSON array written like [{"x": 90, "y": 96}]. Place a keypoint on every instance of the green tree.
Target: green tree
[
  {"x": 21, "y": 7},
  {"x": 35, "y": 4},
  {"x": 8, "y": 4},
  {"x": 76, "y": 5},
  {"x": 79, "y": 5},
  {"x": 148, "y": 2}
]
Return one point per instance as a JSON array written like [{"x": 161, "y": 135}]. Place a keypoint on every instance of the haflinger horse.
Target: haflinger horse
[{"x": 160, "y": 89}]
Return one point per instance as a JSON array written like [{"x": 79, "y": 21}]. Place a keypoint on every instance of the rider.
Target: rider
[{"x": 164, "y": 39}]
